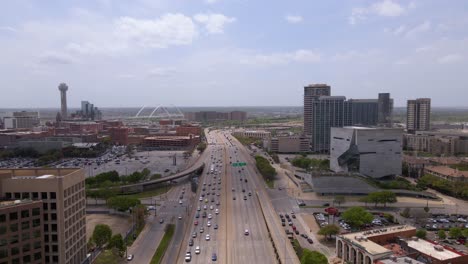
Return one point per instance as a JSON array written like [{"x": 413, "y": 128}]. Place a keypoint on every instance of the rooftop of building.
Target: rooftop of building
[
  {"x": 11, "y": 203},
  {"x": 398, "y": 260},
  {"x": 85, "y": 145},
  {"x": 38, "y": 173},
  {"x": 447, "y": 171},
  {"x": 372, "y": 128},
  {"x": 434, "y": 250},
  {"x": 168, "y": 137},
  {"x": 314, "y": 85},
  {"x": 361, "y": 239}
]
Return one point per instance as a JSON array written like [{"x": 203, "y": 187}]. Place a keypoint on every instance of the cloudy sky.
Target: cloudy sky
[{"x": 230, "y": 52}]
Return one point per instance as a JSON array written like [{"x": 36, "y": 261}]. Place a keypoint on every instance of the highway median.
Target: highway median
[{"x": 163, "y": 245}]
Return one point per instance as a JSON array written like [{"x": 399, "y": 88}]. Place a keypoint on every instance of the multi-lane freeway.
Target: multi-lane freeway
[{"x": 231, "y": 212}]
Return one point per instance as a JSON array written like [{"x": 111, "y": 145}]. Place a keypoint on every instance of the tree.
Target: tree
[
  {"x": 421, "y": 233},
  {"x": 382, "y": 197},
  {"x": 313, "y": 257},
  {"x": 122, "y": 203},
  {"x": 455, "y": 232},
  {"x": 101, "y": 234},
  {"x": 201, "y": 147},
  {"x": 441, "y": 234},
  {"x": 339, "y": 199},
  {"x": 329, "y": 230},
  {"x": 117, "y": 242},
  {"x": 405, "y": 213},
  {"x": 357, "y": 216}
]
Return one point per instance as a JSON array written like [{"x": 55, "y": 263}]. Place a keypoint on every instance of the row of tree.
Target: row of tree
[
  {"x": 382, "y": 197},
  {"x": 112, "y": 178},
  {"x": 265, "y": 168},
  {"x": 456, "y": 189},
  {"x": 102, "y": 236}
]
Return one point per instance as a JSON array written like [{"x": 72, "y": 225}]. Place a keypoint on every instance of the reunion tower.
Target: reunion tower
[{"x": 63, "y": 100}]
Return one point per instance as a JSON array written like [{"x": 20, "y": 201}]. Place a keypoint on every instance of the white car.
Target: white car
[
  {"x": 211, "y": 207},
  {"x": 201, "y": 199},
  {"x": 197, "y": 250},
  {"x": 217, "y": 211},
  {"x": 188, "y": 256},
  {"x": 204, "y": 207},
  {"x": 180, "y": 201},
  {"x": 129, "y": 257},
  {"x": 207, "y": 237},
  {"x": 208, "y": 224},
  {"x": 246, "y": 232},
  {"x": 198, "y": 208},
  {"x": 210, "y": 216}
]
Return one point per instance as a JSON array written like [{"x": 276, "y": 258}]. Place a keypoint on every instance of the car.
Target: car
[
  {"x": 294, "y": 216},
  {"x": 205, "y": 207},
  {"x": 217, "y": 211},
  {"x": 180, "y": 201},
  {"x": 283, "y": 223},
  {"x": 202, "y": 230},
  {"x": 245, "y": 180},
  {"x": 296, "y": 231},
  {"x": 217, "y": 202},
  {"x": 243, "y": 190},
  {"x": 204, "y": 215},
  {"x": 207, "y": 237},
  {"x": 234, "y": 198},
  {"x": 210, "y": 216},
  {"x": 197, "y": 215},
  {"x": 198, "y": 208},
  {"x": 129, "y": 257},
  {"x": 215, "y": 226},
  {"x": 304, "y": 236},
  {"x": 180, "y": 217},
  {"x": 197, "y": 250},
  {"x": 214, "y": 257},
  {"x": 250, "y": 194},
  {"x": 246, "y": 232},
  {"x": 194, "y": 234},
  {"x": 190, "y": 243},
  {"x": 310, "y": 240},
  {"x": 161, "y": 220},
  {"x": 188, "y": 256},
  {"x": 211, "y": 207},
  {"x": 326, "y": 204},
  {"x": 208, "y": 224},
  {"x": 201, "y": 199},
  {"x": 233, "y": 190},
  {"x": 245, "y": 197},
  {"x": 195, "y": 223}
]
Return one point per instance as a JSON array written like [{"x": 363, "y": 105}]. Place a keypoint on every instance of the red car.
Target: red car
[{"x": 195, "y": 223}]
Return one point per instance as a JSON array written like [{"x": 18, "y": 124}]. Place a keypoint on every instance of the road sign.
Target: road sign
[{"x": 239, "y": 164}]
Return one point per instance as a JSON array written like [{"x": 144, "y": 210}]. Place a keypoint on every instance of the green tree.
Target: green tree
[
  {"x": 441, "y": 234},
  {"x": 421, "y": 233},
  {"x": 201, "y": 146},
  {"x": 101, "y": 234},
  {"x": 313, "y": 257},
  {"x": 117, "y": 242},
  {"x": 405, "y": 213},
  {"x": 122, "y": 203},
  {"x": 455, "y": 232},
  {"x": 329, "y": 230},
  {"x": 357, "y": 216}
]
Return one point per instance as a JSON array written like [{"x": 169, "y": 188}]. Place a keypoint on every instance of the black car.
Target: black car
[
  {"x": 245, "y": 197},
  {"x": 190, "y": 243},
  {"x": 310, "y": 241}
]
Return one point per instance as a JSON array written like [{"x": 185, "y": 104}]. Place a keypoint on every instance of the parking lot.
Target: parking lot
[{"x": 160, "y": 162}]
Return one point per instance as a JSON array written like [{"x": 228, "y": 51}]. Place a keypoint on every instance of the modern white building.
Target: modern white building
[
  {"x": 373, "y": 152},
  {"x": 20, "y": 120}
]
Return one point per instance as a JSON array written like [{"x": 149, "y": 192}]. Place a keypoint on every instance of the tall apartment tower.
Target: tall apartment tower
[
  {"x": 418, "y": 115},
  {"x": 311, "y": 94},
  {"x": 62, "y": 196},
  {"x": 63, "y": 88},
  {"x": 385, "y": 110}
]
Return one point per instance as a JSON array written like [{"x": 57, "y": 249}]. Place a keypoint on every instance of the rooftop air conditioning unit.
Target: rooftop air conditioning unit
[{"x": 439, "y": 248}]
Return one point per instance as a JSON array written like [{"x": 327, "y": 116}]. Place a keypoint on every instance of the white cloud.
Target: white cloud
[
  {"x": 302, "y": 56},
  {"x": 8, "y": 29},
  {"x": 294, "y": 19},
  {"x": 160, "y": 72},
  {"x": 450, "y": 58},
  {"x": 211, "y": 1},
  {"x": 214, "y": 23},
  {"x": 170, "y": 29},
  {"x": 424, "y": 49},
  {"x": 399, "y": 30},
  {"x": 421, "y": 28},
  {"x": 55, "y": 58},
  {"x": 386, "y": 8}
]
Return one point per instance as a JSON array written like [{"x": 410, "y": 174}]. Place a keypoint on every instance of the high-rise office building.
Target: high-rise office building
[
  {"x": 311, "y": 94},
  {"x": 89, "y": 111},
  {"x": 63, "y": 88},
  {"x": 385, "y": 110},
  {"x": 418, "y": 115},
  {"x": 62, "y": 192},
  {"x": 364, "y": 112}
]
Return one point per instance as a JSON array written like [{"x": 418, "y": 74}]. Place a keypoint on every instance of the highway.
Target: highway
[{"x": 235, "y": 193}]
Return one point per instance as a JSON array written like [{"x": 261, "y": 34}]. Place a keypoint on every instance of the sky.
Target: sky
[{"x": 118, "y": 53}]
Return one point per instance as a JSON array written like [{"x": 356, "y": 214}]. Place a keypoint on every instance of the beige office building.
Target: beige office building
[
  {"x": 418, "y": 115},
  {"x": 62, "y": 192}
]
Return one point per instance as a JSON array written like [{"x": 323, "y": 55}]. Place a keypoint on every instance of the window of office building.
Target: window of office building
[
  {"x": 14, "y": 239},
  {"x": 53, "y": 195},
  {"x": 14, "y": 251},
  {"x": 17, "y": 195},
  {"x": 35, "y": 195},
  {"x": 14, "y": 227},
  {"x": 3, "y": 253},
  {"x": 26, "y": 247},
  {"x": 53, "y": 216},
  {"x": 36, "y": 222},
  {"x": 45, "y": 206},
  {"x": 36, "y": 211},
  {"x": 25, "y": 195},
  {"x": 37, "y": 244},
  {"x": 3, "y": 230},
  {"x": 46, "y": 217},
  {"x": 37, "y": 256},
  {"x": 27, "y": 259},
  {"x": 25, "y": 225},
  {"x": 24, "y": 213},
  {"x": 15, "y": 261},
  {"x": 13, "y": 216},
  {"x": 2, "y": 218},
  {"x": 53, "y": 206},
  {"x": 43, "y": 195},
  {"x": 54, "y": 227},
  {"x": 25, "y": 236},
  {"x": 54, "y": 238}
]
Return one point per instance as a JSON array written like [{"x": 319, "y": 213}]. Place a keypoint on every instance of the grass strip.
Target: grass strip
[{"x": 159, "y": 254}]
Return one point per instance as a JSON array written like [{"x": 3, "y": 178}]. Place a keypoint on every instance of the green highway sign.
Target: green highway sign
[{"x": 239, "y": 164}]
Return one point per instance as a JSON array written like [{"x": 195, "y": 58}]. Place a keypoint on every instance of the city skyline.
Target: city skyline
[{"x": 145, "y": 52}]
